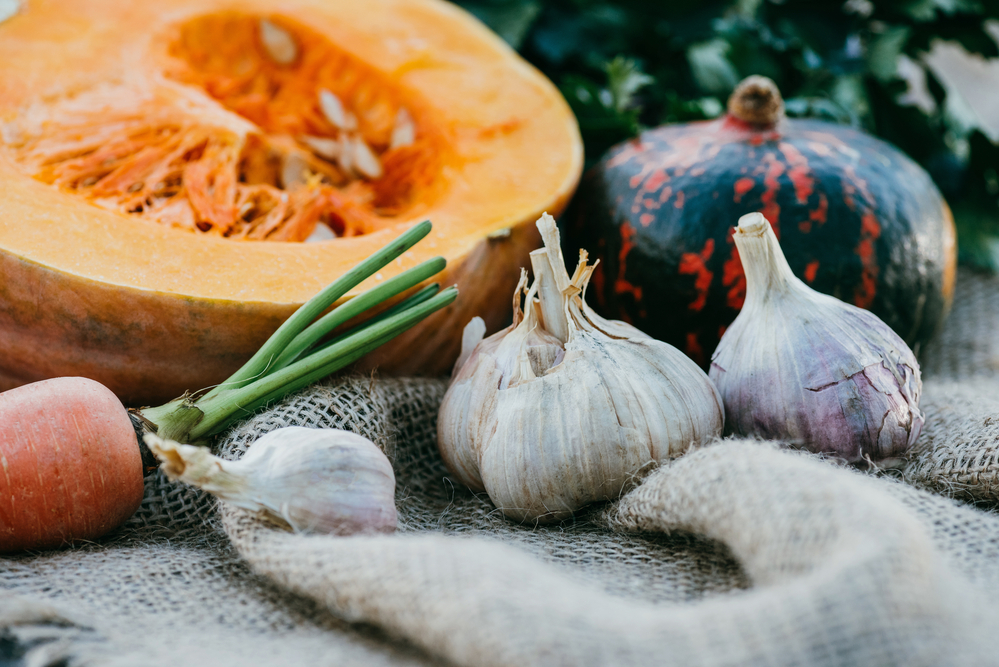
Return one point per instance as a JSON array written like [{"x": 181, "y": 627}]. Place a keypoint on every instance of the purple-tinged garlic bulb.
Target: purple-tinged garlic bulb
[
  {"x": 564, "y": 408},
  {"x": 807, "y": 369},
  {"x": 309, "y": 480}
]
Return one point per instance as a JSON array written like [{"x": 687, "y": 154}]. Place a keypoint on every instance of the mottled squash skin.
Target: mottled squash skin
[{"x": 855, "y": 217}]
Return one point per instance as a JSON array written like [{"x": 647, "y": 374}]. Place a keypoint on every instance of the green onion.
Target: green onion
[{"x": 295, "y": 356}]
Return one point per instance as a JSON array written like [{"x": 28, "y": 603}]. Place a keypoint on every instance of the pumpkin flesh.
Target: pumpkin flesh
[{"x": 96, "y": 280}]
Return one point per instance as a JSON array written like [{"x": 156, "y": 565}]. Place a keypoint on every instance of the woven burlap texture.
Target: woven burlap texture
[{"x": 738, "y": 553}]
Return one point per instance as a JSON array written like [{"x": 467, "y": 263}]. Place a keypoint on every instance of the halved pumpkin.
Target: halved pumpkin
[{"x": 146, "y": 145}]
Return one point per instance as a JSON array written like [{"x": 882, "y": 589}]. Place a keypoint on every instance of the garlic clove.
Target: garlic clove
[
  {"x": 613, "y": 328},
  {"x": 473, "y": 333},
  {"x": 554, "y": 412},
  {"x": 587, "y": 430},
  {"x": 309, "y": 480},
  {"x": 471, "y": 400},
  {"x": 811, "y": 370},
  {"x": 490, "y": 363}
]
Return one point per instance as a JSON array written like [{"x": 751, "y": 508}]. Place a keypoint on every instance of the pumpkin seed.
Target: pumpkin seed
[
  {"x": 294, "y": 171},
  {"x": 11, "y": 133},
  {"x": 278, "y": 43},
  {"x": 8, "y": 8},
  {"x": 365, "y": 161},
  {"x": 329, "y": 149},
  {"x": 404, "y": 131},
  {"x": 320, "y": 233},
  {"x": 332, "y": 109},
  {"x": 346, "y": 158}
]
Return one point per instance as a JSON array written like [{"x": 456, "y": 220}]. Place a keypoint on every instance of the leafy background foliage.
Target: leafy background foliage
[{"x": 629, "y": 64}]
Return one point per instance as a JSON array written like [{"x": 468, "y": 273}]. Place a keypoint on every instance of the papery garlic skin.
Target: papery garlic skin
[
  {"x": 311, "y": 480},
  {"x": 811, "y": 370},
  {"x": 483, "y": 368},
  {"x": 546, "y": 426}
]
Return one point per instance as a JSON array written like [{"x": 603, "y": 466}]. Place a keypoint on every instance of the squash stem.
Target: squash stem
[{"x": 260, "y": 363}]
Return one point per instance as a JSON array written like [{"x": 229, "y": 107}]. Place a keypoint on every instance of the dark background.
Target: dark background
[{"x": 631, "y": 64}]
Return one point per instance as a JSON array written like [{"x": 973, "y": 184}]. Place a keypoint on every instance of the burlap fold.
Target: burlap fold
[
  {"x": 739, "y": 553},
  {"x": 843, "y": 574}
]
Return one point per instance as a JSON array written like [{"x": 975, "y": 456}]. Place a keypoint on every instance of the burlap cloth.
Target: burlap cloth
[{"x": 739, "y": 553}]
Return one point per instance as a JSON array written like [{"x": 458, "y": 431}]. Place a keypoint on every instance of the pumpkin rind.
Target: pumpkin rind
[
  {"x": 856, "y": 219},
  {"x": 152, "y": 311}
]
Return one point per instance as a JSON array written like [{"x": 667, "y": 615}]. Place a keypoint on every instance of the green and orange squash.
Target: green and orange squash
[
  {"x": 855, "y": 217},
  {"x": 162, "y": 162}
]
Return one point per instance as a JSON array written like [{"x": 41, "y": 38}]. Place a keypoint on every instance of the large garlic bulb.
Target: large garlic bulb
[
  {"x": 564, "y": 408},
  {"x": 309, "y": 480},
  {"x": 808, "y": 369}
]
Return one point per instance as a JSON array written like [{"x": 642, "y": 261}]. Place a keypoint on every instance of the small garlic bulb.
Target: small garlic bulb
[
  {"x": 810, "y": 370},
  {"x": 311, "y": 480},
  {"x": 564, "y": 408}
]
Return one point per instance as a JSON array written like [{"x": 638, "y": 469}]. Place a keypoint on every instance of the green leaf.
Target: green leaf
[
  {"x": 959, "y": 118},
  {"x": 968, "y": 31},
  {"x": 976, "y": 211},
  {"x": 926, "y": 10},
  {"x": 884, "y": 50},
  {"x": 600, "y": 123},
  {"x": 624, "y": 78},
  {"x": 748, "y": 7},
  {"x": 681, "y": 111},
  {"x": 935, "y": 88},
  {"x": 832, "y": 59},
  {"x": 850, "y": 93},
  {"x": 819, "y": 107},
  {"x": 977, "y": 247},
  {"x": 711, "y": 68},
  {"x": 904, "y": 125},
  {"x": 510, "y": 20}
]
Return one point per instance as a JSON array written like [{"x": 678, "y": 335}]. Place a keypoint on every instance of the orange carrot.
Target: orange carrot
[{"x": 70, "y": 469}]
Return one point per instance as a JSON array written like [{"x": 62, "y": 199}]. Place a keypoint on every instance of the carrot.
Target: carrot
[{"x": 70, "y": 463}]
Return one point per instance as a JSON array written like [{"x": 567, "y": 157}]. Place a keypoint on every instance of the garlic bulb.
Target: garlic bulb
[
  {"x": 808, "y": 369},
  {"x": 311, "y": 480},
  {"x": 564, "y": 408}
]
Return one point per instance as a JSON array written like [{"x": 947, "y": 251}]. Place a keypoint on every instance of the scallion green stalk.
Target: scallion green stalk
[{"x": 295, "y": 356}]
